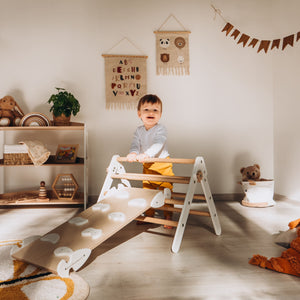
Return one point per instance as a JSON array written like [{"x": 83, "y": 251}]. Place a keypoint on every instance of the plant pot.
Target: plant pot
[{"x": 61, "y": 120}]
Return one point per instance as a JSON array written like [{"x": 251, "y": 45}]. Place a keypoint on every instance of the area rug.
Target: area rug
[{"x": 19, "y": 280}]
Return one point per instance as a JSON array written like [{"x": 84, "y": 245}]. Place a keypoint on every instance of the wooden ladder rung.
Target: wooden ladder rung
[
  {"x": 163, "y": 160},
  {"x": 157, "y": 221},
  {"x": 176, "y": 209},
  {"x": 174, "y": 201},
  {"x": 150, "y": 177},
  {"x": 182, "y": 195}
]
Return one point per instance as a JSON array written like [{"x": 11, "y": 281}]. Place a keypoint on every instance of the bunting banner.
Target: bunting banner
[
  {"x": 262, "y": 45},
  {"x": 125, "y": 80},
  {"x": 172, "y": 53}
]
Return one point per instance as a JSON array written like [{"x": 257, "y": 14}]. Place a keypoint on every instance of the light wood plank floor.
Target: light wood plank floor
[{"x": 137, "y": 263}]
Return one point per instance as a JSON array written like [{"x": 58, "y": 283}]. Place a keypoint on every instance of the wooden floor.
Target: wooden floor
[{"x": 137, "y": 263}]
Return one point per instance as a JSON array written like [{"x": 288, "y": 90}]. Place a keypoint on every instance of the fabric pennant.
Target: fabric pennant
[
  {"x": 235, "y": 33},
  {"x": 243, "y": 39},
  {"x": 253, "y": 43},
  {"x": 264, "y": 45},
  {"x": 288, "y": 40},
  {"x": 275, "y": 44},
  {"x": 227, "y": 28}
]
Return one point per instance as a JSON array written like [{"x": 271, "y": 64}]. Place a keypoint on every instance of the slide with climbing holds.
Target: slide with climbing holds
[{"x": 69, "y": 245}]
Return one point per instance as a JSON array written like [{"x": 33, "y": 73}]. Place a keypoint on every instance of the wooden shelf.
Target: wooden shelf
[
  {"x": 51, "y": 161},
  {"x": 26, "y": 198},
  {"x": 80, "y": 162},
  {"x": 73, "y": 126}
]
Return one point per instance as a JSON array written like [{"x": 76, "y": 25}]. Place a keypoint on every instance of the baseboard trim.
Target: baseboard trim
[{"x": 236, "y": 197}]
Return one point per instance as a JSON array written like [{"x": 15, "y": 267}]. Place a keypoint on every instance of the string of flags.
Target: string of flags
[{"x": 264, "y": 45}]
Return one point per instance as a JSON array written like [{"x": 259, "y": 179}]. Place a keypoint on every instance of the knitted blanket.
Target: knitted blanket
[
  {"x": 288, "y": 262},
  {"x": 37, "y": 152}
]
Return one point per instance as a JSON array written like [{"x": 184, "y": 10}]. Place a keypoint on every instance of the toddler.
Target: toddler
[{"x": 150, "y": 141}]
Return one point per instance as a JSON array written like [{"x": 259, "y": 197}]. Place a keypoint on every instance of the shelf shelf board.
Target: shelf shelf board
[
  {"x": 30, "y": 198},
  {"x": 72, "y": 126},
  {"x": 51, "y": 161}
]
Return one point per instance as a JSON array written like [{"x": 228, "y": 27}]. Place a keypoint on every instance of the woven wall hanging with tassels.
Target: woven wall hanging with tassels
[
  {"x": 125, "y": 79},
  {"x": 172, "y": 51}
]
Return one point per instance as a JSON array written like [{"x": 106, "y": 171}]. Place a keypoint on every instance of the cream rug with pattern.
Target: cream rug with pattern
[{"x": 19, "y": 280}]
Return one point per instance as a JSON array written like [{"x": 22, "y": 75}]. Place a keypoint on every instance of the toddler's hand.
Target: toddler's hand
[
  {"x": 132, "y": 157},
  {"x": 141, "y": 157}
]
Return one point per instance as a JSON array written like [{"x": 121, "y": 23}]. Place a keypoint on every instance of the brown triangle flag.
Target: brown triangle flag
[
  {"x": 235, "y": 33},
  {"x": 288, "y": 40},
  {"x": 298, "y": 36},
  {"x": 253, "y": 43},
  {"x": 244, "y": 39},
  {"x": 227, "y": 28},
  {"x": 264, "y": 45},
  {"x": 275, "y": 44}
]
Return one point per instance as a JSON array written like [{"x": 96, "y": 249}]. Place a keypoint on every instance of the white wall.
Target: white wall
[
  {"x": 286, "y": 72},
  {"x": 223, "y": 111}
]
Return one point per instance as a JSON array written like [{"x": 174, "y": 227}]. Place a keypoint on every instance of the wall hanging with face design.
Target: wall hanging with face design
[{"x": 172, "y": 52}]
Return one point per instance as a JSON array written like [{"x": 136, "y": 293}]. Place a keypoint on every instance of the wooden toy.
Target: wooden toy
[
  {"x": 116, "y": 171},
  {"x": 65, "y": 186},
  {"x": 43, "y": 192},
  {"x": 69, "y": 245}
]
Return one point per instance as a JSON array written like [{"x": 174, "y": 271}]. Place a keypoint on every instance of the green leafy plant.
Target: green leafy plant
[{"x": 63, "y": 103}]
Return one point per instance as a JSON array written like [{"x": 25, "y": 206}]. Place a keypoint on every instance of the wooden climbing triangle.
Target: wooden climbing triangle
[{"x": 116, "y": 170}]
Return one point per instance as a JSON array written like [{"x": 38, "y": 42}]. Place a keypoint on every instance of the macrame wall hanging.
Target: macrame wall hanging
[
  {"x": 264, "y": 45},
  {"x": 172, "y": 51},
  {"x": 125, "y": 79}
]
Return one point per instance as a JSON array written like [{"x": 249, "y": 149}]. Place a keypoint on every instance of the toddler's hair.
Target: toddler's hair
[{"x": 149, "y": 98}]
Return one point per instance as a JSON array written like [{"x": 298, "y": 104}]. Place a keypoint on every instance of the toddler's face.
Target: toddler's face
[{"x": 150, "y": 114}]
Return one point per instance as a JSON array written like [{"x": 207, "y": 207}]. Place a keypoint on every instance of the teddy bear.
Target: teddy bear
[
  {"x": 10, "y": 112},
  {"x": 251, "y": 173}
]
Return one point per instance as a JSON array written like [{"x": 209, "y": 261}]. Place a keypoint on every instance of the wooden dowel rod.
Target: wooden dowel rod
[
  {"x": 199, "y": 213},
  {"x": 174, "y": 201},
  {"x": 171, "y": 31},
  {"x": 192, "y": 212},
  {"x": 182, "y": 196},
  {"x": 163, "y": 160},
  {"x": 157, "y": 221},
  {"x": 150, "y": 177}
]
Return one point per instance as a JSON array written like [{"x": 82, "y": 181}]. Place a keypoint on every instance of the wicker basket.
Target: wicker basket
[
  {"x": 17, "y": 159},
  {"x": 16, "y": 155}
]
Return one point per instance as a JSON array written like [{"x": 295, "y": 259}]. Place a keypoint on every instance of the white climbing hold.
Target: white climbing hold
[
  {"x": 137, "y": 202},
  {"x": 92, "y": 232},
  {"x": 117, "y": 216},
  {"x": 51, "y": 237},
  {"x": 78, "y": 221}
]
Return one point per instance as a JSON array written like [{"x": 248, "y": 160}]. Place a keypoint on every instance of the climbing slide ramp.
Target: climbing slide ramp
[{"x": 69, "y": 245}]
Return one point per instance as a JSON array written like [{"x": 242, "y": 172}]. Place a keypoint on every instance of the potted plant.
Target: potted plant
[{"x": 63, "y": 105}]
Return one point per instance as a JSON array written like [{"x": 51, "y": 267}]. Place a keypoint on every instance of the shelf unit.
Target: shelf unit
[{"x": 9, "y": 199}]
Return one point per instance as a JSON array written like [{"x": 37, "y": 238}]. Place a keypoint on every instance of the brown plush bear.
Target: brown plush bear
[
  {"x": 251, "y": 173},
  {"x": 10, "y": 112}
]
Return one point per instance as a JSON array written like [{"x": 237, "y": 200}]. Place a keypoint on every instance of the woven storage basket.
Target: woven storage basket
[
  {"x": 16, "y": 155},
  {"x": 17, "y": 159}
]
